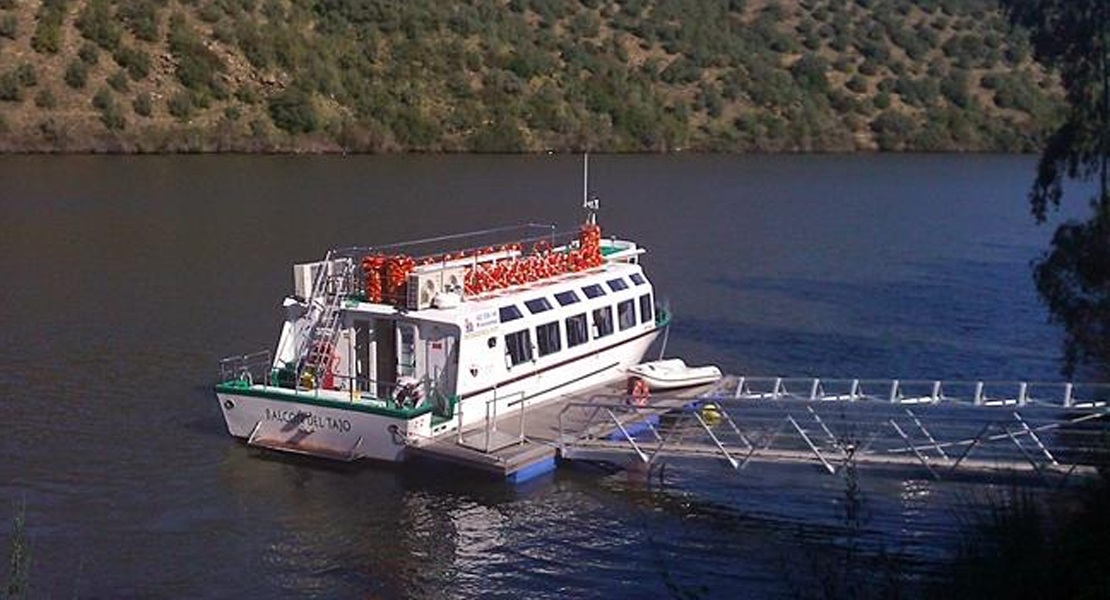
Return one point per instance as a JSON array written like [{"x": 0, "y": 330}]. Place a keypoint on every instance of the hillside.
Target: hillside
[{"x": 517, "y": 75}]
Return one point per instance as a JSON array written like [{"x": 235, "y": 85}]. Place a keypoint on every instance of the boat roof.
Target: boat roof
[{"x": 619, "y": 262}]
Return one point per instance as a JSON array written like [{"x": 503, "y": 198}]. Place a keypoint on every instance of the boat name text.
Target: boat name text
[{"x": 307, "y": 421}]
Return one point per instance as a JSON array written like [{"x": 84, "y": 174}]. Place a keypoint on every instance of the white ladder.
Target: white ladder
[{"x": 329, "y": 291}]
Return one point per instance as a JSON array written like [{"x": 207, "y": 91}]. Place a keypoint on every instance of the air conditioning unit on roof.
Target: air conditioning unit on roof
[{"x": 424, "y": 284}]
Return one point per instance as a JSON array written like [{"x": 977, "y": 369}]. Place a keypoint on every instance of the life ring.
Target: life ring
[{"x": 638, "y": 390}]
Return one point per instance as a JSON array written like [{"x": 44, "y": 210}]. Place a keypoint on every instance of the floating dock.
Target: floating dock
[
  {"x": 1045, "y": 431},
  {"x": 525, "y": 444}
]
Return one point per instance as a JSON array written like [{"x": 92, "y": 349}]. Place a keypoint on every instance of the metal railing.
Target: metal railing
[
  {"x": 392, "y": 393},
  {"x": 486, "y": 437},
  {"x": 473, "y": 240},
  {"x": 840, "y": 425},
  {"x": 925, "y": 391},
  {"x": 247, "y": 368}
]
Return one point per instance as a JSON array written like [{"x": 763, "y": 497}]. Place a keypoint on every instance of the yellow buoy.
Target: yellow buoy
[{"x": 711, "y": 414}]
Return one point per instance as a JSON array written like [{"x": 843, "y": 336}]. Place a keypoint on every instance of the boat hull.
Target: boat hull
[
  {"x": 274, "y": 418},
  {"x": 542, "y": 385},
  {"x": 325, "y": 431}
]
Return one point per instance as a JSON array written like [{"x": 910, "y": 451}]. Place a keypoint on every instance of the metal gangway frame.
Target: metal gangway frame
[{"x": 947, "y": 429}]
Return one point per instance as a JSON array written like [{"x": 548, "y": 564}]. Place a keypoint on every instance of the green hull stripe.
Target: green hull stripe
[{"x": 290, "y": 396}]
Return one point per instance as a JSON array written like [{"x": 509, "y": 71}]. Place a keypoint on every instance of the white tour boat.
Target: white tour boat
[{"x": 383, "y": 348}]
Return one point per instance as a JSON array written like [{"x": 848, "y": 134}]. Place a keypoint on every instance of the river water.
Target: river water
[{"x": 123, "y": 280}]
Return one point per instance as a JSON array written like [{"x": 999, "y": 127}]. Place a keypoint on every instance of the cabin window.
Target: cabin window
[
  {"x": 510, "y": 313},
  {"x": 547, "y": 339},
  {"x": 637, "y": 279},
  {"x": 566, "y": 298},
  {"x": 646, "y": 309},
  {"x": 617, "y": 285},
  {"x": 518, "y": 347},
  {"x": 626, "y": 314},
  {"x": 576, "y": 330},
  {"x": 603, "y": 321},
  {"x": 593, "y": 291},
  {"x": 537, "y": 305}
]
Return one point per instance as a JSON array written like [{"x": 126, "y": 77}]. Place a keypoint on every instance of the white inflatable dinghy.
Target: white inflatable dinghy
[{"x": 673, "y": 373}]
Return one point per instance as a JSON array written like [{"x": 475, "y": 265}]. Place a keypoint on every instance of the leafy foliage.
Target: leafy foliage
[
  {"x": 48, "y": 28},
  {"x": 294, "y": 111},
  {"x": 197, "y": 66},
  {"x": 1073, "y": 277},
  {"x": 111, "y": 115}
]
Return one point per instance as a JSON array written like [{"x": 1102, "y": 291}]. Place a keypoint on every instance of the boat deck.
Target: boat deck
[{"x": 519, "y": 455}]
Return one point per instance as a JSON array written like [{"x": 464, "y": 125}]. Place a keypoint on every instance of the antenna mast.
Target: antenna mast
[{"x": 589, "y": 204}]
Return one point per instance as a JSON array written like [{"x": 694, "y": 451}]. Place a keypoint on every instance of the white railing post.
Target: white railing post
[
  {"x": 893, "y": 391},
  {"x": 778, "y": 385},
  {"x": 978, "y": 393},
  {"x": 459, "y": 427},
  {"x": 854, "y": 391},
  {"x": 813, "y": 389},
  {"x": 1067, "y": 395},
  {"x": 1023, "y": 393}
]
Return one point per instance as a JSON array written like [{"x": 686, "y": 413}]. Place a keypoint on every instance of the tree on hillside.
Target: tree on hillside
[{"x": 1073, "y": 277}]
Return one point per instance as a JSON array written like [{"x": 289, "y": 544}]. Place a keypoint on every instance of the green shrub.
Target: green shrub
[
  {"x": 9, "y": 26},
  {"x": 25, "y": 73},
  {"x": 1013, "y": 92},
  {"x": 181, "y": 106},
  {"x": 97, "y": 24},
  {"x": 77, "y": 74},
  {"x": 917, "y": 92},
  {"x": 134, "y": 60},
  {"x": 892, "y": 130},
  {"x": 102, "y": 98},
  {"x": 856, "y": 84},
  {"x": 140, "y": 17},
  {"x": 10, "y": 88},
  {"x": 503, "y": 135},
  {"x": 197, "y": 66},
  {"x": 210, "y": 13},
  {"x": 45, "y": 98},
  {"x": 246, "y": 95},
  {"x": 111, "y": 115},
  {"x": 118, "y": 81},
  {"x": 809, "y": 72},
  {"x": 143, "y": 105},
  {"x": 869, "y": 68},
  {"x": 955, "y": 88},
  {"x": 47, "y": 38},
  {"x": 89, "y": 53},
  {"x": 294, "y": 111},
  {"x": 223, "y": 32}
]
